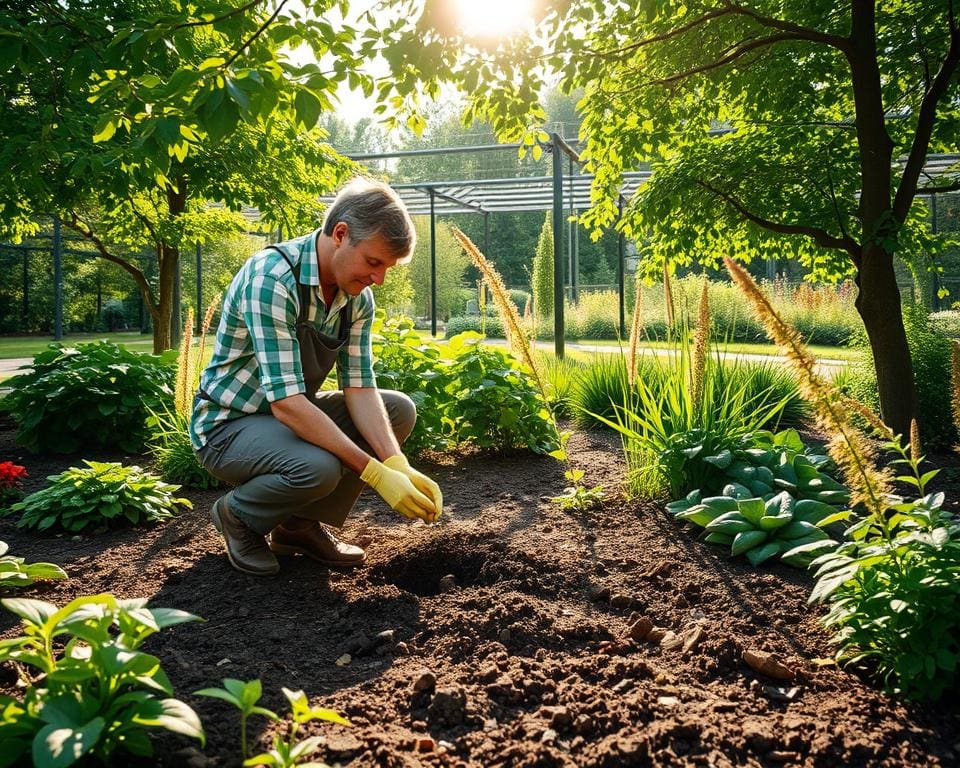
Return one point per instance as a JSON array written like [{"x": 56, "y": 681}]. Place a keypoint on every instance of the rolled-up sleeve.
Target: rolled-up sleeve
[{"x": 270, "y": 313}]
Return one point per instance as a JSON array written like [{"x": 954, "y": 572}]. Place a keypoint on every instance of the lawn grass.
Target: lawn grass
[{"x": 30, "y": 346}]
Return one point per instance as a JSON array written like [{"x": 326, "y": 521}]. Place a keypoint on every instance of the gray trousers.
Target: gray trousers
[{"x": 277, "y": 475}]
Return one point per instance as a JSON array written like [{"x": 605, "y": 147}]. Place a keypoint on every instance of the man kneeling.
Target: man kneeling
[{"x": 298, "y": 457}]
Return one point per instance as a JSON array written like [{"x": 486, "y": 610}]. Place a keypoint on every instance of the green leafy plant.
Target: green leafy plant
[
  {"x": 496, "y": 403},
  {"x": 101, "y": 495},
  {"x": 408, "y": 364},
  {"x": 245, "y": 697},
  {"x": 16, "y": 572},
  {"x": 892, "y": 588},
  {"x": 760, "y": 529},
  {"x": 96, "y": 693},
  {"x": 575, "y": 497},
  {"x": 286, "y": 752},
  {"x": 92, "y": 395}
]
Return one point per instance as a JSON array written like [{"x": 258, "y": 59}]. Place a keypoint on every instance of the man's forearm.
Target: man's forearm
[
  {"x": 366, "y": 410},
  {"x": 311, "y": 424}
]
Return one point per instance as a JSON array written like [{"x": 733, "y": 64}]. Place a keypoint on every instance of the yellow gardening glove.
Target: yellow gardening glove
[
  {"x": 398, "y": 491},
  {"x": 423, "y": 483}
]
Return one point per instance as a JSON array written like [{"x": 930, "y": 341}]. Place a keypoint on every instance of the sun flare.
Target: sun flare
[{"x": 493, "y": 18}]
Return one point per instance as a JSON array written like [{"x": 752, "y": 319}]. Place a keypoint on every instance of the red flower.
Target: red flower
[{"x": 11, "y": 474}]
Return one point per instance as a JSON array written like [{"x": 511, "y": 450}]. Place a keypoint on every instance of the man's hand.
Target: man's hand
[
  {"x": 398, "y": 491},
  {"x": 423, "y": 483}
]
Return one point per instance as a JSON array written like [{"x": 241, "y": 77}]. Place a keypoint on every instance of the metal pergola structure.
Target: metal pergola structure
[{"x": 558, "y": 192}]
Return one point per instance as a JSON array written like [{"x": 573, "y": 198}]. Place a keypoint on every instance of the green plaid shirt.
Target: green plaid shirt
[{"x": 256, "y": 360}]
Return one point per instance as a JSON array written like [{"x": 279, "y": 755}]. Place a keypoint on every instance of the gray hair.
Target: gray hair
[{"x": 370, "y": 208}]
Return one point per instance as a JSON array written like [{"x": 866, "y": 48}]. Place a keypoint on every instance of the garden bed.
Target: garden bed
[{"x": 524, "y": 656}]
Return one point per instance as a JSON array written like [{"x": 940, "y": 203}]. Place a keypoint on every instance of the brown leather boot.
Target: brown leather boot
[
  {"x": 316, "y": 542},
  {"x": 247, "y": 550}
]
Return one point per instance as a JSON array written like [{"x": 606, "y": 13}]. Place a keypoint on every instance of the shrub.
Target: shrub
[
  {"x": 94, "y": 395},
  {"x": 597, "y": 315},
  {"x": 491, "y": 327},
  {"x": 495, "y": 405},
  {"x": 930, "y": 353},
  {"x": 102, "y": 495},
  {"x": 767, "y": 381},
  {"x": 99, "y": 693}
]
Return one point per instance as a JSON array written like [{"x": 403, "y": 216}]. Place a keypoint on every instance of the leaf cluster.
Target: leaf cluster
[
  {"x": 92, "y": 395},
  {"x": 95, "y": 693},
  {"x": 286, "y": 753},
  {"x": 17, "y": 572},
  {"x": 892, "y": 591},
  {"x": 102, "y": 495},
  {"x": 465, "y": 392}
]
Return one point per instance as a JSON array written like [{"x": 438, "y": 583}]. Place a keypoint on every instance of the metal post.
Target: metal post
[
  {"x": 573, "y": 255},
  {"x": 935, "y": 282},
  {"x": 200, "y": 307},
  {"x": 557, "y": 246},
  {"x": 57, "y": 280},
  {"x": 176, "y": 311},
  {"x": 433, "y": 266},
  {"x": 25, "y": 318},
  {"x": 621, "y": 272}
]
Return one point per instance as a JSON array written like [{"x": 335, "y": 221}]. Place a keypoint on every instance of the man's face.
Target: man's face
[{"x": 357, "y": 265}]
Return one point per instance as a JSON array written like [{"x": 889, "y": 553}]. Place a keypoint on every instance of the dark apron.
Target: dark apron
[{"x": 318, "y": 351}]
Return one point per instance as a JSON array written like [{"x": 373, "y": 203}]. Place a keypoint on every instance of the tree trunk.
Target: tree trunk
[
  {"x": 878, "y": 303},
  {"x": 161, "y": 323}
]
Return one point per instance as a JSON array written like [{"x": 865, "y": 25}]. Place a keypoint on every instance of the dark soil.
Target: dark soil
[{"x": 507, "y": 634}]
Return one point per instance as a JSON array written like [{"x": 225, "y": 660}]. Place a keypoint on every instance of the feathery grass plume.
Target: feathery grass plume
[
  {"x": 183, "y": 392},
  {"x": 868, "y": 414},
  {"x": 512, "y": 324},
  {"x": 701, "y": 344},
  {"x": 848, "y": 446},
  {"x": 204, "y": 330},
  {"x": 668, "y": 296},
  {"x": 915, "y": 453},
  {"x": 955, "y": 382},
  {"x": 636, "y": 328}
]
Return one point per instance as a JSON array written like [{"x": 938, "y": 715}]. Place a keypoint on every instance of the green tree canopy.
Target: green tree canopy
[{"x": 795, "y": 130}]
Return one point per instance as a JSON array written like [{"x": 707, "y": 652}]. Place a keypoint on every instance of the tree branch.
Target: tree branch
[
  {"x": 926, "y": 118},
  {"x": 255, "y": 35},
  {"x": 936, "y": 188},
  {"x": 78, "y": 226},
  {"x": 227, "y": 15},
  {"x": 739, "y": 52},
  {"x": 801, "y": 32},
  {"x": 699, "y": 21},
  {"x": 820, "y": 236}
]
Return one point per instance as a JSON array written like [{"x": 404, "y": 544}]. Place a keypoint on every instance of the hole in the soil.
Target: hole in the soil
[{"x": 471, "y": 562}]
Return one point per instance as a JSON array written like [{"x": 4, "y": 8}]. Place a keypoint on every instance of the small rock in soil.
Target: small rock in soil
[
  {"x": 401, "y": 649},
  {"x": 344, "y": 744},
  {"x": 448, "y": 706},
  {"x": 767, "y": 664},
  {"x": 424, "y": 681},
  {"x": 448, "y": 583},
  {"x": 780, "y": 693},
  {"x": 599, "y": 593},
  {"x": 504, "y": 636},
  {"x": 424, "y": 744},
  {"x": 640, "y": 629},
  {"x": 620, "y": 601}
]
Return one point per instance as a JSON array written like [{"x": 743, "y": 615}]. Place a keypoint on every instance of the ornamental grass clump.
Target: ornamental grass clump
[
  {"x": 575, "y": 497},
  {"x": 891, "y": 587},
  {"x": 170, "y": 444}
]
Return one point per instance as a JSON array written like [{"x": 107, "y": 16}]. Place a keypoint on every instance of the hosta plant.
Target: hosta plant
[
  {"x": 17, "y": 572},
  {"x": 91, "y": 395},
  {"x": 93, "y": 693},
  {"x": 759, "y": 529},
  {"x": 286, "y": 752},
  {"x": 102, "y": 495}
]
